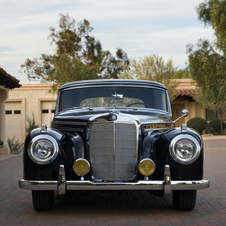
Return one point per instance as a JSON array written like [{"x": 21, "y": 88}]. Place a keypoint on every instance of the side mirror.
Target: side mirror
[{"x": 184, "y": 113}]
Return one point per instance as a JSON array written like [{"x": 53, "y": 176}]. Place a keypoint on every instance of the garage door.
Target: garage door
[
  {"x": 48, "y": 109},
  {"x": 13, "y": 111}
]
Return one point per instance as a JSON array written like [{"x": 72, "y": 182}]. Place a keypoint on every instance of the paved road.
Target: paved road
[{"x": 138, "y": 208}]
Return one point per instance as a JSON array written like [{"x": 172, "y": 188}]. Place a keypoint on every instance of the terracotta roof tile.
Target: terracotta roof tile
[
  {"x": 186, "y": 92},
  {"x": 8, "y": 80}
]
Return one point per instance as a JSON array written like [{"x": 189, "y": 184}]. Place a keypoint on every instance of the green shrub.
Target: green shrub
[
  {"x": 15, "y": 146},
  {"x": 31, "y": 124},
  {"x": 199, "y": 124},
  {"x": 214, "y": 127},
  {"x": 1, "y": 143}
]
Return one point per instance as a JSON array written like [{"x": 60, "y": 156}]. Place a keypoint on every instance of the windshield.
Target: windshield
[{"x": 113, "y": 96}]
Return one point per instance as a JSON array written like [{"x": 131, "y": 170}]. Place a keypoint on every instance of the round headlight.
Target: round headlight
[
  {"x": 146, "y": 167},
  {"x": 81, "y": 167},
  {"x": 43, "y": 149},
  {"x": 184, "y": 149}
]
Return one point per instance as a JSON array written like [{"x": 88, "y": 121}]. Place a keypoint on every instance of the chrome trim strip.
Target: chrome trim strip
[
  {"x": 190, "y": 185},
  {"x": 140, "y": 185},
  {"x": 156, "y": 129},
  {"x": 89, "y": 185},
  {"x": 114, "y": 151},
  {"x": 157, "y": 123},
  {"x": 38, "y": 185}
]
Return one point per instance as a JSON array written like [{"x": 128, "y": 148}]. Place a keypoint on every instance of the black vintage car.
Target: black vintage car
[{"x": 114, "y": 135}]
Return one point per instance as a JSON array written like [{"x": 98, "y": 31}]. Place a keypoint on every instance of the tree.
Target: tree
[
  {"x": 182, "y": 73},
  {"x": 153, "y": 68},
  {"x": 116, "y": 64},
  {"x": 110, "y": 65},
  {"x": 68, "y": 69},
  {"x": 213, "y": 13},
  {"x": 207, "y": 61},
  {"x": 208, "y": 70},
  {"x": 78, "y": 56},
  {"x": 219, "y": 107}
]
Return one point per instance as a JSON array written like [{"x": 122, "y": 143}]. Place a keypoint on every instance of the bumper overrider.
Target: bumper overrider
[{"x": 167, "y": 185}]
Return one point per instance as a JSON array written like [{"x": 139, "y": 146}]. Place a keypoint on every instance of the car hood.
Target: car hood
[{"x": 142, "y": 116}]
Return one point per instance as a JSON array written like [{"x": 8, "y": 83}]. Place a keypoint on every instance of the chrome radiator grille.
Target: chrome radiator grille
[{"x": 113, "y": 150}]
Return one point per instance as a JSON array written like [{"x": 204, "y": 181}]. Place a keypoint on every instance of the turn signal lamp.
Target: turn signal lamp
[
  {"x": 81, "y": 167},
  {"x": 146, "y": 167}
]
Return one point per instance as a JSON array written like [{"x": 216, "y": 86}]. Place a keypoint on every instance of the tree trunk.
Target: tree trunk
[{"x": 221, "y": 118}]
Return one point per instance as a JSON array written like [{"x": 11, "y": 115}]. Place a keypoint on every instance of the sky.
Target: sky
[{"x": 141, "y": 28}]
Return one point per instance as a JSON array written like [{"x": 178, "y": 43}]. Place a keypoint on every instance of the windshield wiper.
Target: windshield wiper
[{"x": 73, "y": 108}]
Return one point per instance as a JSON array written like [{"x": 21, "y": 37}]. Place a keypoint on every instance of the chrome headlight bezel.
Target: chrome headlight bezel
[
  {"x": 49, "y": 139},
  {"x": 191, "y": 140}
]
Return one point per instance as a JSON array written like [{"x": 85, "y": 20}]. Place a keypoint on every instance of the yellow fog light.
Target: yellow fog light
[
  {"x": 81, "y": 167},
  {"x": 146, "y": 167}
]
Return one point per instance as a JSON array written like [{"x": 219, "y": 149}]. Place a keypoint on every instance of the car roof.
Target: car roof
[{"x": 112, "y": 82}]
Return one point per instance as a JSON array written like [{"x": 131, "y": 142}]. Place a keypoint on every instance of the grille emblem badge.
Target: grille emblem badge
[{"x": 113, "y": 117}]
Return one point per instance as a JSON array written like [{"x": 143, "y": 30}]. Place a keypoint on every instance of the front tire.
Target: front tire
[
  {"x": 43, "y": 200},
  {"x": 184, "y": 200}
]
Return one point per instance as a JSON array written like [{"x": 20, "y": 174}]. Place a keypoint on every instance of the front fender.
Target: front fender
[
  {"x": 33, "y": 171},
  {"x": 193, "y": 171}
]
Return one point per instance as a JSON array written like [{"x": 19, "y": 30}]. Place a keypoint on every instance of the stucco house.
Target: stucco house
[{"x": 7, "y": 82}]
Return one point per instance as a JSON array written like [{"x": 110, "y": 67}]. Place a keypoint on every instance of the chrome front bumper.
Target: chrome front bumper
[{"x": 165, "y": 185}]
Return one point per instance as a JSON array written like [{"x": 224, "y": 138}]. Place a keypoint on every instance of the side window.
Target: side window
[
  {"x": 17, "y": 112},
  {"x": 45, "y": 111},
  {"x": 8, "y": 112}
]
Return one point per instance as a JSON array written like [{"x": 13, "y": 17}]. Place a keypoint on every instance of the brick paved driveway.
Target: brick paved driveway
[{"x": 138, "y": 208}]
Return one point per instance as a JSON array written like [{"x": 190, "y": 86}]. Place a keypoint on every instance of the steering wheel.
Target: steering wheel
[{"x": 129, "y": 105}]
